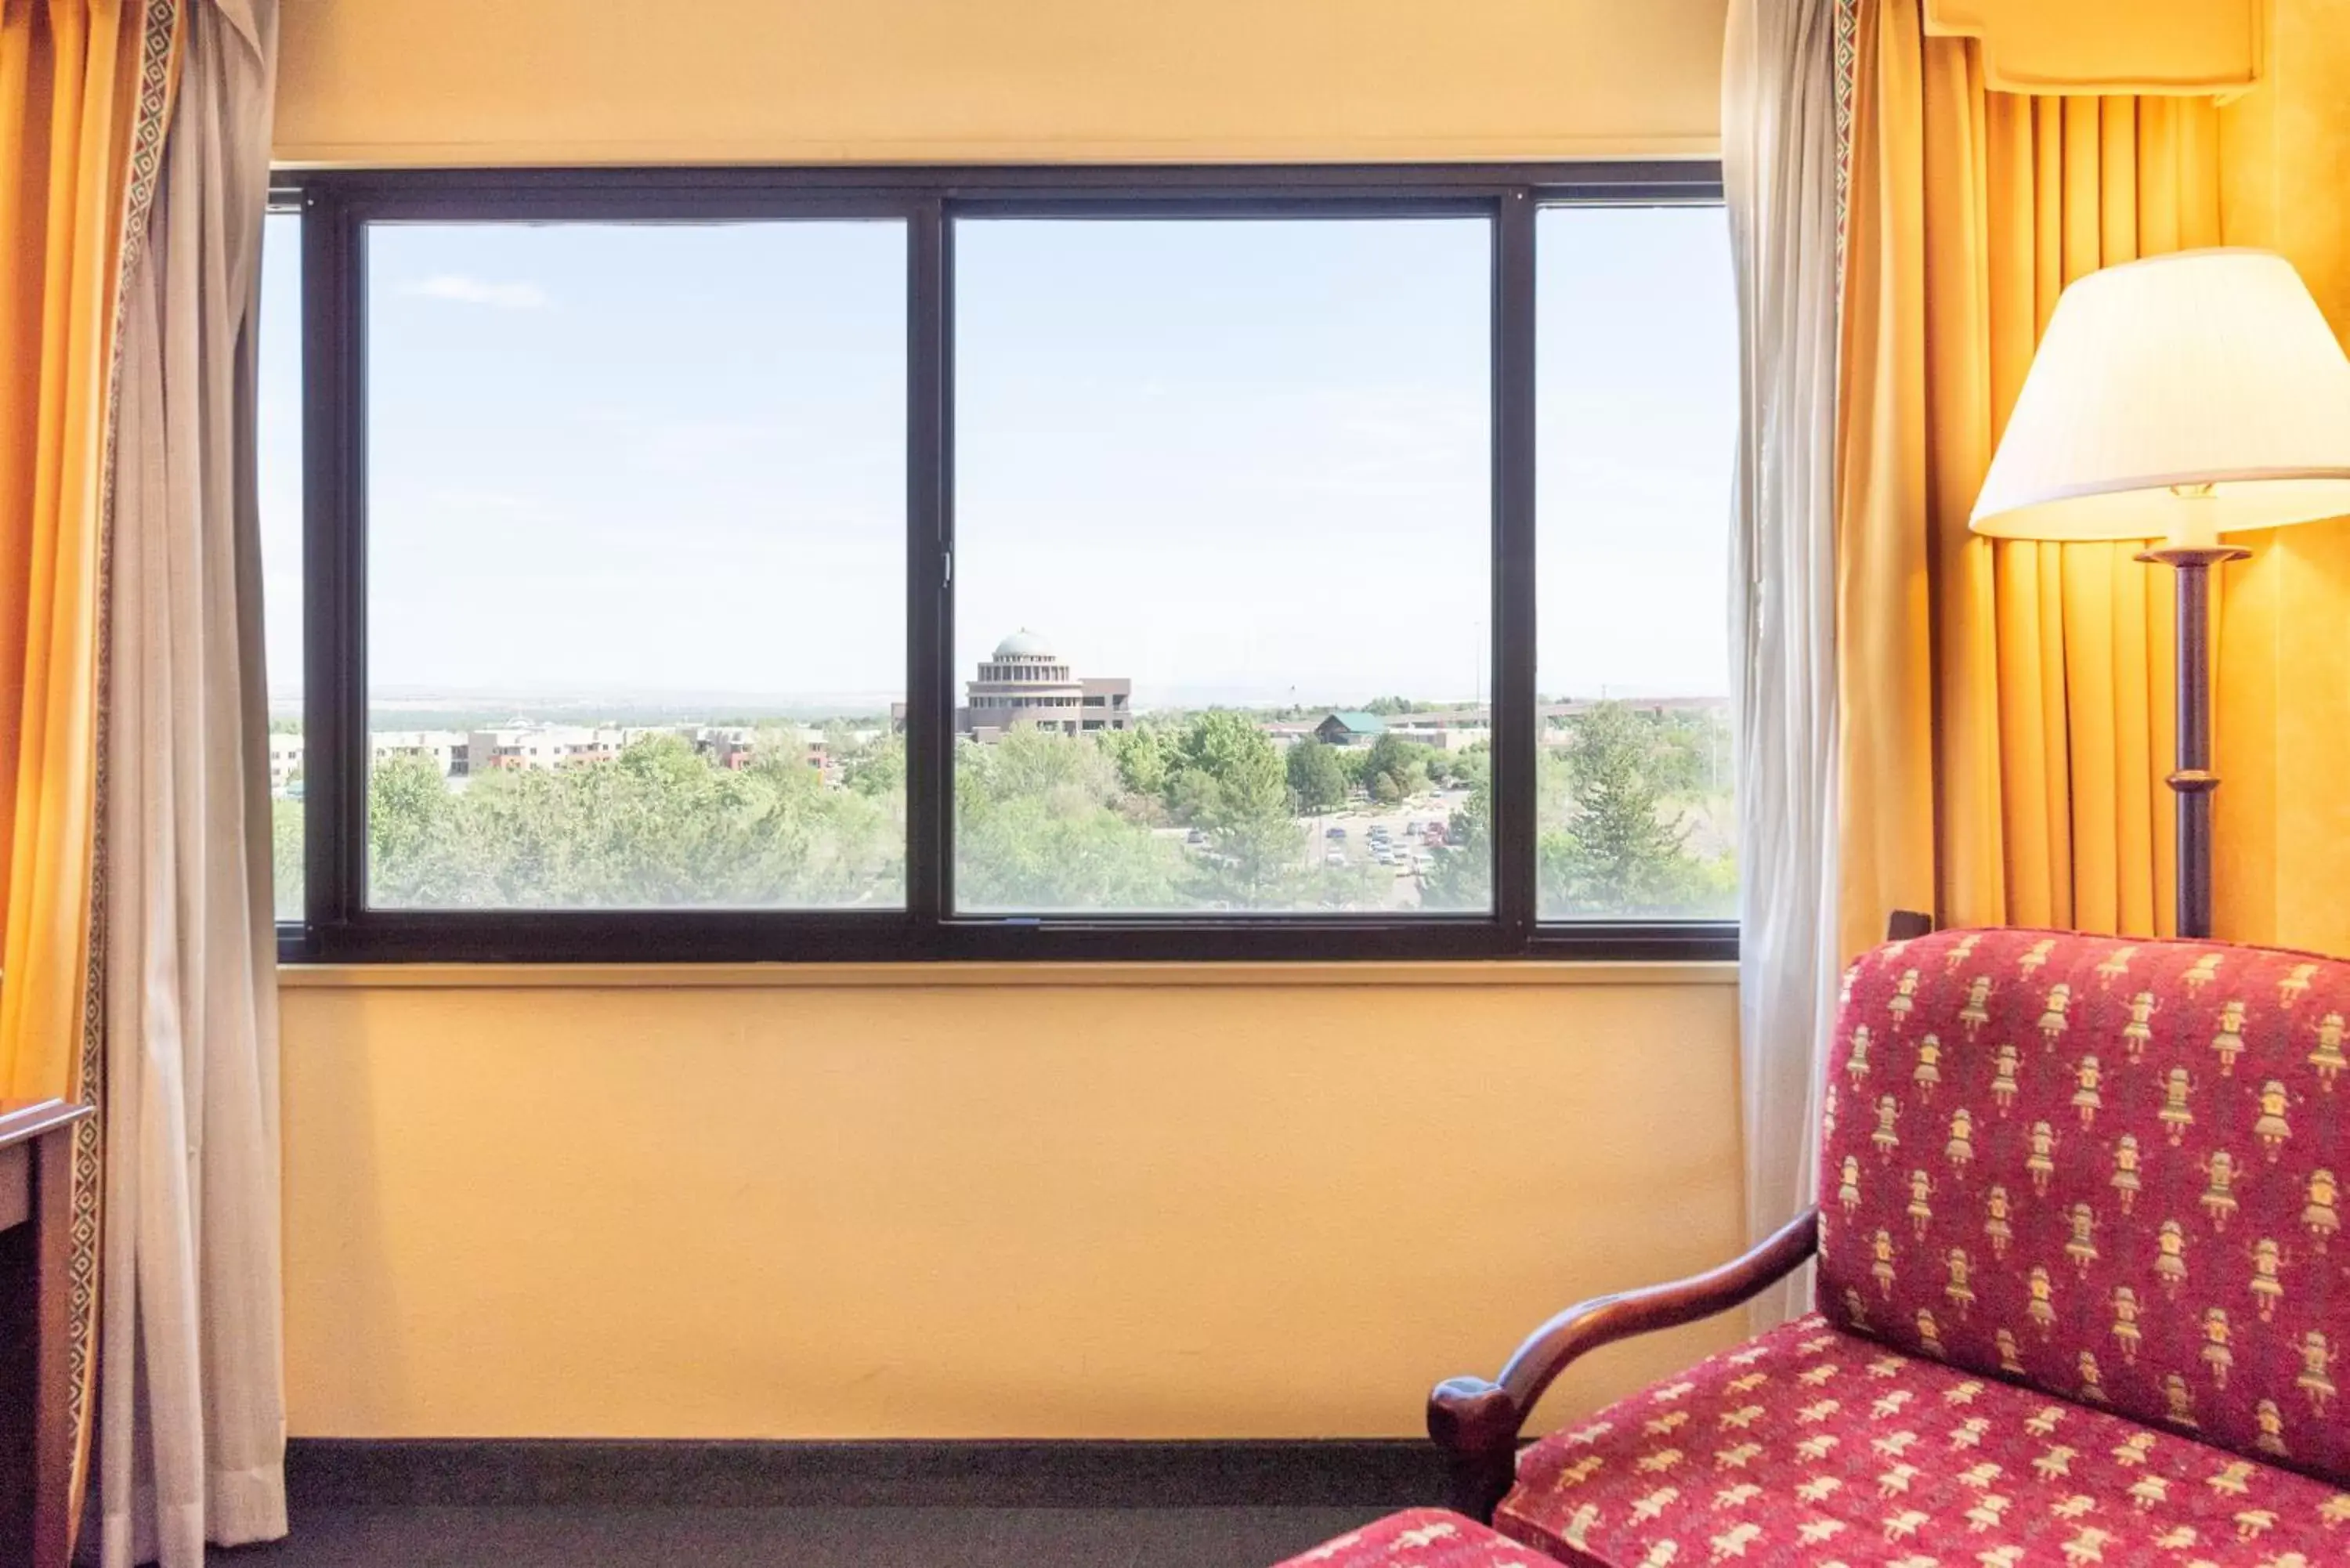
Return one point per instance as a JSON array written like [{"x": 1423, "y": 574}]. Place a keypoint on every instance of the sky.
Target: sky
[{"x": 1239, "y": 462}]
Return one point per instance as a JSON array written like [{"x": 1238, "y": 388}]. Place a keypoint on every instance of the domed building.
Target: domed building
[{"x": 1024, "y": 684}]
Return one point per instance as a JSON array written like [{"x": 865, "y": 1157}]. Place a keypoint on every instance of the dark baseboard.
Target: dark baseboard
[{"x": 1370, "y": 1473}]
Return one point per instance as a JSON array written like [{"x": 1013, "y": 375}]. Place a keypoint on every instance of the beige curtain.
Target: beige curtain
[
  {"x": 1779, "y": 152},
  {"x": 2006, "y": 708},
  {"x": 193, "y": 1428}
]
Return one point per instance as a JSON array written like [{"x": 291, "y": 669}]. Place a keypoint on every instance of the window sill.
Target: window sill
[{"x": 1028, "y": 973}]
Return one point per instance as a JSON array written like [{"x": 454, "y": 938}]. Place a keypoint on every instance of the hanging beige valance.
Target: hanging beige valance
[{"x": 2217, "y": 48}]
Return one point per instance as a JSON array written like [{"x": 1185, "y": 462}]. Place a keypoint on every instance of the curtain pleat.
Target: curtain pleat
[{"x": 2007, "y": 706}]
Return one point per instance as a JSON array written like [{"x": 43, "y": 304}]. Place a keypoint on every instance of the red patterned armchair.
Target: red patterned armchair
[{"x": 2082, "y": 1298}]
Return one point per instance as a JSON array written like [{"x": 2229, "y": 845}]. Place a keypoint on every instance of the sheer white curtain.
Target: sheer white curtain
[
  {"x": 191, "y": 1412},
  {"x": 1779, "y": 154}
]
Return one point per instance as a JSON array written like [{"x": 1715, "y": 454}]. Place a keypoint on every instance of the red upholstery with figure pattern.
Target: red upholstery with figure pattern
[
  {"x": 1421, "y": 1538},
  {"x": 2105, "y": 1168},
  {"x": 2082, "y": 1291},
  {"x": 1811, "y": 1447}
]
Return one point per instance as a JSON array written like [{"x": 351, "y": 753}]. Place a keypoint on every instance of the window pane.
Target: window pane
[
  {"x": 1222, "y": 564},
  {"x": 279, "y": 439},
  {"x": 636, "y": 565},
  {"x": 1637, "y": 407}
]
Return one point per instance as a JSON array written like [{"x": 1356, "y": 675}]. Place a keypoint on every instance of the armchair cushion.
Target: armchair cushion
[
  {"x": 2107, "y": 1168},
  {"x": 1810, "y": 1446},
  {"x": 1419, "y": 1538}
]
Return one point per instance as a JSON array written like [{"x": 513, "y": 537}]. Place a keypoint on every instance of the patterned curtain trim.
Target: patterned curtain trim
[
  {"x": 1848, "y": 74},
  {"x": 158, "y": 46}
]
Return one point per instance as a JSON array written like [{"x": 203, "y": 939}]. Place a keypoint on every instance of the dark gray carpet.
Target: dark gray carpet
[{"x": 582, "y": 1537}]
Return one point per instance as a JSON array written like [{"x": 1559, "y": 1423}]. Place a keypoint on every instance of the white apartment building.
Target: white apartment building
[
  {"x": 543, "y": 745},
  {"x": 459, "y": 754},
  {"x": 444, "y": 749},
  {"x": 285, "y": 761}
]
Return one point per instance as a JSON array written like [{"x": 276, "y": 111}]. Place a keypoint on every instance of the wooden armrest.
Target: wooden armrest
[{"x": 1477, "y": 1422}]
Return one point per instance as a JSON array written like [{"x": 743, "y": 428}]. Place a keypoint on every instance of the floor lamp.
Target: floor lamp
[{"x": 2181, "y": 399}]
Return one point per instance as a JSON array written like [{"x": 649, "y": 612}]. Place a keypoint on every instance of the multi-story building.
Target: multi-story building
[
  {"x": 542, "y": 746},
  {"x": 459, "y": 754},
  {"x": 446, "y": 750},
  {"x": 1024, "y": 684},
  {"x": 736, "y": 746},
  {"x": 728, "y": 746},
  {"x": 285, "y": 760}
]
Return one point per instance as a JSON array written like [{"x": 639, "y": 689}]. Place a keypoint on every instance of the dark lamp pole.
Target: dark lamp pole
[{"x": 2192, "y": 779}]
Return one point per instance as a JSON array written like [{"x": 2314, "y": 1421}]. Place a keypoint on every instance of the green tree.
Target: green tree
[
  {"x": 657, "y": 826},
  {"x": 409, "y": 821},
  {"x": 1315, "y": 777},
  {"x": 1021, "y": 855},
  {"x": 1227, "y": 778},
  {"x": 878, "y": 771},
  {"x": 1462, "y": 876},
  {"x": 1143, "y": 755},
  {"x": 1225, "y": 769},
  {"x": 1473, "y": 768},
  {"x": 1622, "y": 851},
  {"x": 286, "y": 856},
  {"x": 1038, "y": 828},
  {"x": 1402, "y": 765}
]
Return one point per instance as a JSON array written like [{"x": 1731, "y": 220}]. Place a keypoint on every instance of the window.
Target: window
[
  {"x": 636, "y": 532},
  {"x": 278, "y": 438},
  {"x": 1242, "y": 469},
  {"x": 886, "y": 564},
  {"x": 1638, "y": 404}
]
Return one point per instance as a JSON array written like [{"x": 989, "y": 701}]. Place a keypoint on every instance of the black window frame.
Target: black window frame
[{"x": 337, "y": 205}]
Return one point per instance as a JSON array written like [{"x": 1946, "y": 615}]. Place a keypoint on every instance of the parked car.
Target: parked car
[
  {"x": 1195, "y": 837},
  {"x": 1336, "y": 833},
  {"x": 1334, "y": 858}
]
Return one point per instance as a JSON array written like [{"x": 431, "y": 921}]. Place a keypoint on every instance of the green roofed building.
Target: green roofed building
[{"x": 1353, "y": 729}]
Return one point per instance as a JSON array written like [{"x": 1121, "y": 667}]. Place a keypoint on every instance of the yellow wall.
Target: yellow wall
[
  {"x": 2283, "y": 729},
  {"x": 476, "y": 81},
  {"x": 973, "y": 1202},
  {"x": 982, "y": 1202}
]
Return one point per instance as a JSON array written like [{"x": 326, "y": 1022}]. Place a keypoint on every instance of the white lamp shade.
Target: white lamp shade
[{"x": 2158, "y": 378}]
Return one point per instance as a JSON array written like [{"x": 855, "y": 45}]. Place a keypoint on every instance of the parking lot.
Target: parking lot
[
  {"x": 1404, "y": 826},
  {"x": 1364, "y": 830}
]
